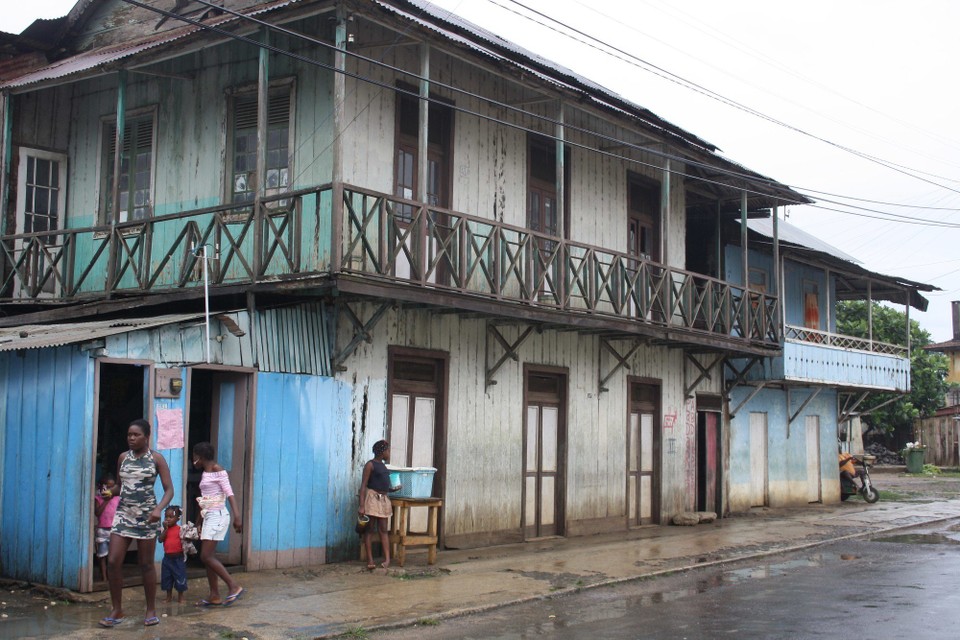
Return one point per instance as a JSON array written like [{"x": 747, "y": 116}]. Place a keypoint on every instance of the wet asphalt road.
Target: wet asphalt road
[{"x": 903, "y": 585}]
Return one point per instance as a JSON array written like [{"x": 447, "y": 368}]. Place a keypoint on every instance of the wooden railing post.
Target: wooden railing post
[{"x": 339, "y": 94}]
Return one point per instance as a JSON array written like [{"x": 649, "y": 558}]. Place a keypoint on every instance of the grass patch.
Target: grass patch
[
  {"x": 895, "y": 496},
  {"x": 356, "y": 632},
  {"x": 427, "y": 622}
]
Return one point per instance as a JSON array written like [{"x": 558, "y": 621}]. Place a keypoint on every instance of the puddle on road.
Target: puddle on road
[
  {"x": 921, "y": 538},
  {"x": 65, "y": 620}
]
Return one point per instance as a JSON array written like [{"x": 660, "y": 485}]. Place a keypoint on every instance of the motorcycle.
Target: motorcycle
[{"x": 848, "y": 487}]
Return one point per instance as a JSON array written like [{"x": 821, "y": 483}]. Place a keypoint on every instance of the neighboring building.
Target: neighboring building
[
  {"x": 940, "y": 433},
  {"x": 513, "y": 274},
  {"x": 787, "y": 412}
]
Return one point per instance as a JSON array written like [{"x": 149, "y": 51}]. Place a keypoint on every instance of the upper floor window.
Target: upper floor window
[
  {"x": 643, "y": 217},
  {"x": 439, "y": 129},
  {"x": 132, "y": 182},
  {"x": 243, "y": 145}
]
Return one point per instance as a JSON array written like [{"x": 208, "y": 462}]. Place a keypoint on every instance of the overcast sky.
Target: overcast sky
[{"x": 872, "y": 76}]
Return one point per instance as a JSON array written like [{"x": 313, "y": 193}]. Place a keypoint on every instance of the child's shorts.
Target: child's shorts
[
  {"x": 102, "y": 538},
  {"x": 173, "y": 572}
]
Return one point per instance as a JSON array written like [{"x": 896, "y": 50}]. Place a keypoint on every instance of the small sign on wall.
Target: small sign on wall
[{"x": 167, "y": 383}]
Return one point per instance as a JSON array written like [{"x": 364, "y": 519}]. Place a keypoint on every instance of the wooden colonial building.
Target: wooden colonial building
[{"x": 411, "y": 229}]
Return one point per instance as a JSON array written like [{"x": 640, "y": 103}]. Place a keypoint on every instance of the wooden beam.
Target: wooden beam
[{"x": 509, "y": 350}]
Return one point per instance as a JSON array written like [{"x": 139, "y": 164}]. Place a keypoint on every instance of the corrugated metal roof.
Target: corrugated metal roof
[
  {"x": 794, "y": 235},
  {"x": 554, "y": 73},
  {"x": 38, "y": 336},
  {"x": 92, "y": 59}
]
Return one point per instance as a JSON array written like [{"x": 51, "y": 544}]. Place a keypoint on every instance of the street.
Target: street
[{"x": 905, "y": 584}]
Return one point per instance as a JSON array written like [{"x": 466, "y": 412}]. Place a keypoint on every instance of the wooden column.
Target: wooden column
[
  {"x": 870, "y": 312},
  {"x": 665, "y": 215},
  {"x": 263, "y": 112},
  {"x": 114, "y": 212},
  {"x": 777, "y": 270},
  {"x": 423, "y": 130},
  {"x": 6, "y": 105},
  {"x": 559, "y": 134},
  {"x": 745, "y": 316},
  {"x": 339, "y": 94}
]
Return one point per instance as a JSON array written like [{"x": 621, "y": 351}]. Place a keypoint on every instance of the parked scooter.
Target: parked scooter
[{"x": 848, "y": 487}]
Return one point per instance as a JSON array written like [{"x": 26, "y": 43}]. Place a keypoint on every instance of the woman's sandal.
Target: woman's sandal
[
  {"x": 206, "y": 603},
  {"x": 109, "y": 623}
]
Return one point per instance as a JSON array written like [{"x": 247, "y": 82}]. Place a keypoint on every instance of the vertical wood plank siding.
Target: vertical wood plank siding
[
  {"x": 303, "y": 492},
  {"x": 46, "y": 507},
  {"x": 484, "y": 434}
]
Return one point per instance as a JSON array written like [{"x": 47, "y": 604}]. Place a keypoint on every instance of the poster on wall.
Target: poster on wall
[{"x": 170, "y": 428}]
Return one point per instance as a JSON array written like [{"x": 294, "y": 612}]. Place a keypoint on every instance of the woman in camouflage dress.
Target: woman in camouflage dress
[{"x": 137, "y": 518}]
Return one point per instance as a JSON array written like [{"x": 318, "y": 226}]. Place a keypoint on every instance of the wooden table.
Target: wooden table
[{"x": 400, "y": 535}]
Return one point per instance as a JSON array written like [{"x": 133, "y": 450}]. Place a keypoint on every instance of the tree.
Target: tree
[{"x": 928, "y": 369}]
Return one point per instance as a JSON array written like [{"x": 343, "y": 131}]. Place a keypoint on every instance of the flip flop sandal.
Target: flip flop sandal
[
  {"x": 149, "y": 622},
  {"x": 207, "y": 603},
  {"x": 233, "y": 597},
  {"x": 109, "y": 623}
]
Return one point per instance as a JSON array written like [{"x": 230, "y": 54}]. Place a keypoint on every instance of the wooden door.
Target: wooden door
[
  {"x": 708, "y": 457},
  {"x": 416, "y": 433},
  {"x": 228, "y": 435},
  {"x": 643, "y": 445},
  {"x": 41, "y": 205},
  {"x": 812, "y": 426},
  {"x": 758, "y": 459},
  {"x": 543, "y": 446}
]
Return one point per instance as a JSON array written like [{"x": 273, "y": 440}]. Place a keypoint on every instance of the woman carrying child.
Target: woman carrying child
[{"x": 215, "y": 494}]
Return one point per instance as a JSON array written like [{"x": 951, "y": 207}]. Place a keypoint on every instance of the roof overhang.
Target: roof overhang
[{"x": 39, "y": 336}]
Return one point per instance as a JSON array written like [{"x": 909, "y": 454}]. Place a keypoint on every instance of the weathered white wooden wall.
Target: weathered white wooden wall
[{"x": 484, "y": 426}]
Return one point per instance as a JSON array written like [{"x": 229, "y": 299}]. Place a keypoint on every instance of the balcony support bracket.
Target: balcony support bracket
[
  {"x": 803, "y": 406},
  {"x": 740, "y": 375},
  {"x": 621, "y": 361},
  {"x": 509, "y": 350},
  {"x": 704, "y": 372},
  {"x": 757, "y": 389},
  {"x": 848, "y": 408},
  {"x": 361, "y": 331}
]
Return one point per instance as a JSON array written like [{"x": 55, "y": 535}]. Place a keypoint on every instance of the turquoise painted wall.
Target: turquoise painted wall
[
  {"x": 47, "y": 462},
  {"x": 786, "y": 446},
  {"x": 304, "y": 493}
]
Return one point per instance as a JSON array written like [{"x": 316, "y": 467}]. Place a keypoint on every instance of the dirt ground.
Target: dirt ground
[{"x": 896, "y": 485}]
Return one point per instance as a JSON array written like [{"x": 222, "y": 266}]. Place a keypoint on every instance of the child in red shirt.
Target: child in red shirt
[{"x": 173, "y": 569}]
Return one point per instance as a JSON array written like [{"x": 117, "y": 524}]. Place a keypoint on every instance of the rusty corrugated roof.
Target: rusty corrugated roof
[{"x": 38, "y": 336}]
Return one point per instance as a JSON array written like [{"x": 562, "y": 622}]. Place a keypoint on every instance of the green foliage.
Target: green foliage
[
  {"x": 931, "y": 470},
  {"x": 928, "y": 369}
]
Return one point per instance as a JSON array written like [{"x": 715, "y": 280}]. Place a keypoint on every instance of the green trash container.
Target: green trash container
[{"x": 914, "y": 459}]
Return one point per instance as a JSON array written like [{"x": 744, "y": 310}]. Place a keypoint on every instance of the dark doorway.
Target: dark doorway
[
  {"x": 122, "y": 396},
  {"x": 219, "y": 414},
  {"x": 708, "y": 461}
]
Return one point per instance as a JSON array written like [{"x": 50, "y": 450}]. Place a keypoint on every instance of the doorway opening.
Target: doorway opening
[
  {"x": 122, "y": 397},
  {"x": 219, "y": 404},
  {"x": 708, "y": 460},
  {"x": 643, "y": 453}
]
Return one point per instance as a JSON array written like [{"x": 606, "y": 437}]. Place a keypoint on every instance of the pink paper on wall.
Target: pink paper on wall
[{"x": 169, "y": 428}]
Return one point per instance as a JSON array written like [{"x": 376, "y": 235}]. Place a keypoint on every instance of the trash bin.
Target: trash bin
[{"x": 914, "y": 459}]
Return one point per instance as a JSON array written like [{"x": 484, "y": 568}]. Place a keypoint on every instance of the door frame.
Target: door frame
[
  {"x": 86, "y": 575},
  {"x": 394, "y": 353},
  {"x": 250, "y": 437},
  {"x": 560, "y": 514},
  {"x": 657, "y": 449},
  {"x": 713, "y": 403}
]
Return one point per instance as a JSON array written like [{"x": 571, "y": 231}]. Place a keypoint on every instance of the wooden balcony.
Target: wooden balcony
[
  {"x": 426, "y": 254},
  {"x": 823, "y": 358}
]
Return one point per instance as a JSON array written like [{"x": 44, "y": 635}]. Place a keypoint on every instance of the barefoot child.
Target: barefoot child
[
  {"x": 173, "y": 571},
  {"x": 104, "y": 506}
]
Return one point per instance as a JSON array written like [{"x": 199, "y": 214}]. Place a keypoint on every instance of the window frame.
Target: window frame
[
  {"x": 636, "y": 215},
  {"x": 232, "y": 95},
  {"x": 104, "y": 163}
]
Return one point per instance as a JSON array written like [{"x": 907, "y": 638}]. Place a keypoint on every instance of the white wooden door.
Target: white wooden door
[
  {"x": 541, "y": 469},
  {"x": 640, "y": 468},
  {"x": 758, "y": 459},
  {"x": 812, "y": 425},
  {"x": 41, "y": 205},
  {"x": 413, "y": 428}
]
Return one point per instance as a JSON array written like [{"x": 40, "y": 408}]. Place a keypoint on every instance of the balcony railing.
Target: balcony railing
[
  {"x": 383, "y": 238},
  {"x": 827, "y": 339}
]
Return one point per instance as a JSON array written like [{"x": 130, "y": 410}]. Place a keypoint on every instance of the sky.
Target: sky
[{"x": 843, "y": 80}]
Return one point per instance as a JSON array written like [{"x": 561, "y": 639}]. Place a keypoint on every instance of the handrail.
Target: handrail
[
  {"x": 386, "y": 238},
  {"x": 798, "y": 334}
]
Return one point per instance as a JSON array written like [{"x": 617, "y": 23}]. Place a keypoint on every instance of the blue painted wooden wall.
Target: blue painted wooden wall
[
  {"x": 46, "y": 502},
  {"x": 303, "y": 499}
]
